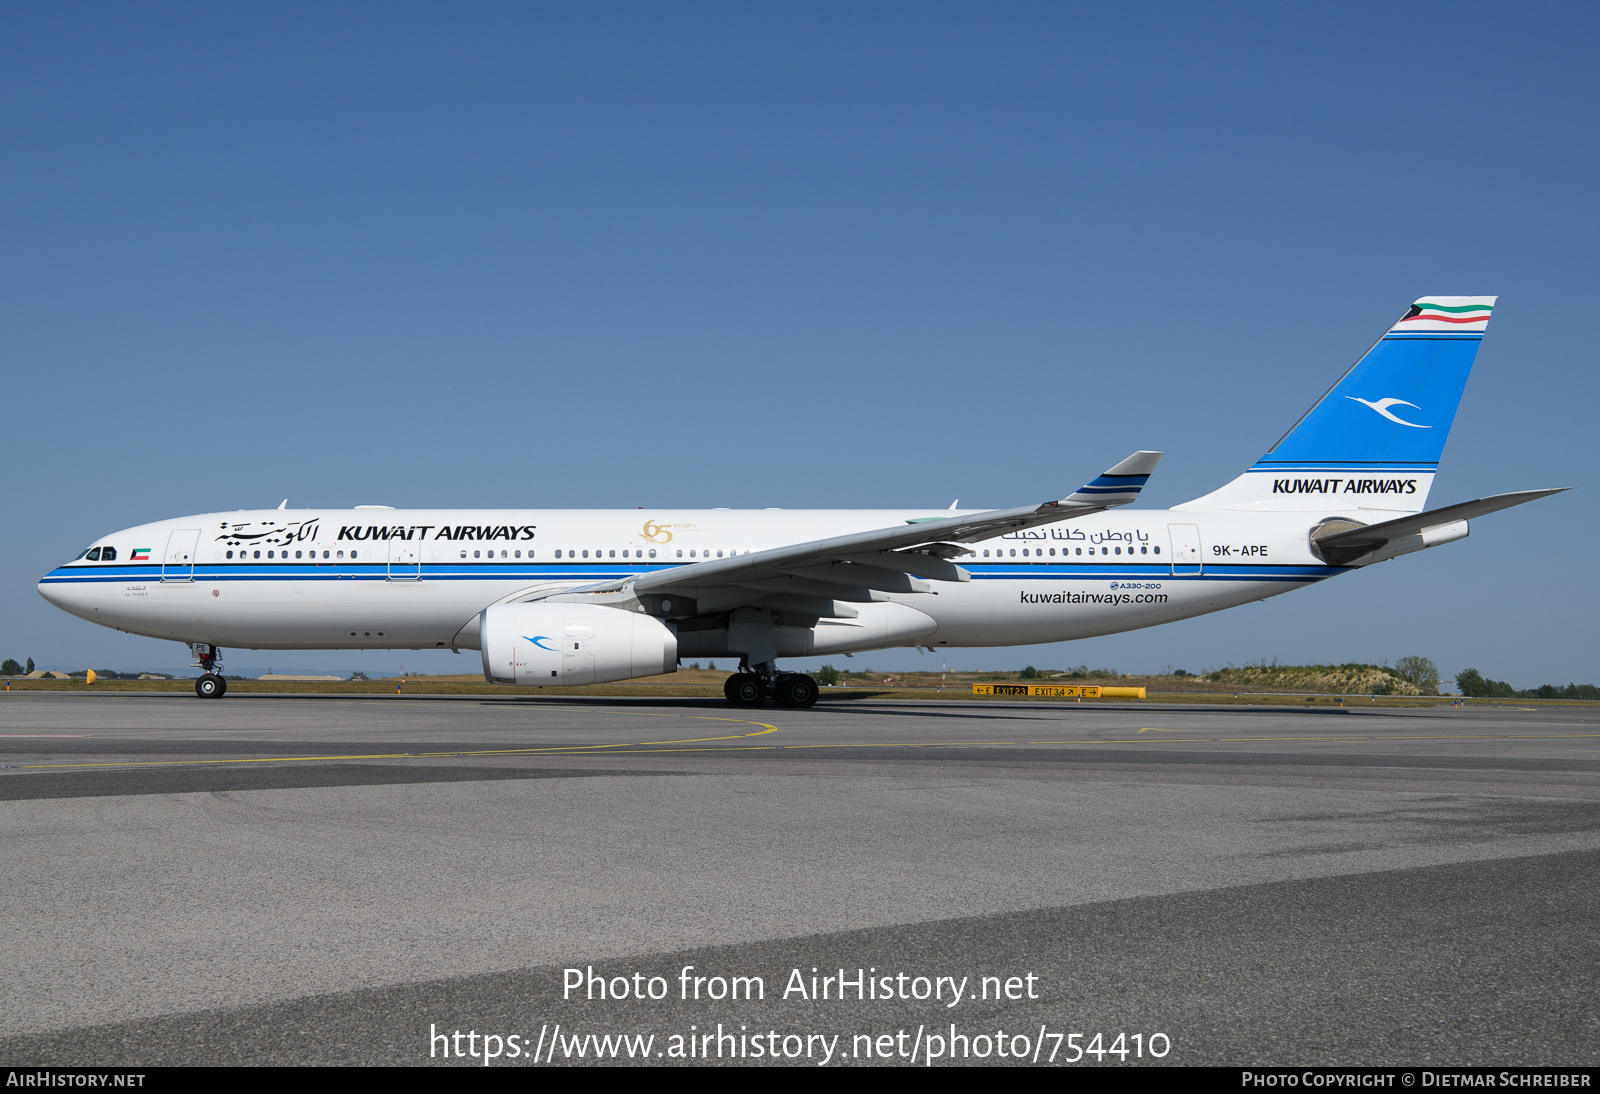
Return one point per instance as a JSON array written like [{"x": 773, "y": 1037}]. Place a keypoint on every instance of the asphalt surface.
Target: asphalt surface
[{"x": 272, "y": 879}]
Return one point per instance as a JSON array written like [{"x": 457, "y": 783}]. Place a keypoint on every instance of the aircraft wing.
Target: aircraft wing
[
  {"x": 853, "y": 567},
  {"x": 1349, "y": 543}
]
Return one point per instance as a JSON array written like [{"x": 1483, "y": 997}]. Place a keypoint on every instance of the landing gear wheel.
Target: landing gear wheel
[
  {"x": 744, "y": 689},
  {"x": 211, "y": 686},
  {"x": 797, "y": 691}
]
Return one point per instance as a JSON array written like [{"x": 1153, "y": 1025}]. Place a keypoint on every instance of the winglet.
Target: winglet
[{"x": 1117, "y": 486}]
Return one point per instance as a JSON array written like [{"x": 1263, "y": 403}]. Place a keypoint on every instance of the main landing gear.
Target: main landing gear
[
  {"x": 789, "y": 689},
  {"x": 211, "y": 685}
]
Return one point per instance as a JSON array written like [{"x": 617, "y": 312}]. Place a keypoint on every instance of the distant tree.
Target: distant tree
[
  {"x": 695, "y": 665},
  {"x": 1028, "y": 673},
  {"x": 358, "y": 676},
  {"x": 30, "y": 665},
  {"x": 1473, "y": 684},
  {"x": 1180, "y": 672},
  {"x": 1571, "y": 691},
  {"x": 828, "y": 676},
  {"x": 9, "y": 667},
  {"x": 713, "y": 666},
  {"x": 1419, "y": 671}
]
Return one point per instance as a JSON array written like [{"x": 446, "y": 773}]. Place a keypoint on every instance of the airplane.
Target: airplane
[{"x": 566, "y": 597}]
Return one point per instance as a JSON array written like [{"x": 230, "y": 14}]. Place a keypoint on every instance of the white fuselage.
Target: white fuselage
[{"x": 418, "y": 579}]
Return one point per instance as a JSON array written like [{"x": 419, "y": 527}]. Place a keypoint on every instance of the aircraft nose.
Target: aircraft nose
[
  {"x": 52, "y": 591},
  {"x": 65, "y": 595}
]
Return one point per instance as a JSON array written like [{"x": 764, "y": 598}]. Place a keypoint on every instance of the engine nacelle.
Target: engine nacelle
[{"x": 545, "y": 645}]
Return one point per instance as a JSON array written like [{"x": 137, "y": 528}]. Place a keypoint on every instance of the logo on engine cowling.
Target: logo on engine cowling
[{"x": 540, "y": 640}]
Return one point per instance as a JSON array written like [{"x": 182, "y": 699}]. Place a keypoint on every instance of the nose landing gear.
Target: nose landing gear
[{"x": 208, "y": 657}]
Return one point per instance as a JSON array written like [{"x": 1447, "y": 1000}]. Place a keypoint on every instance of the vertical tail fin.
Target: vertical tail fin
[{"x": 1374, "y": 440}]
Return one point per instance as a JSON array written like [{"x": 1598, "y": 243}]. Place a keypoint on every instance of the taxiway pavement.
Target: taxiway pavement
[{"x": 315, "y": 879}]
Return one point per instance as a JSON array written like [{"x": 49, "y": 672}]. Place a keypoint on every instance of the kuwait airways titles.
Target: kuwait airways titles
[{"x": 576, "y": 597}]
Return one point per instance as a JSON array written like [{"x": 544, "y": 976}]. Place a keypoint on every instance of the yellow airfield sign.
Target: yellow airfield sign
[{"x": 1059, "y": 691}]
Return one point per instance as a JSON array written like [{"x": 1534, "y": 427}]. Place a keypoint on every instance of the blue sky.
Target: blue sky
[{"x": 814, "y": 256}]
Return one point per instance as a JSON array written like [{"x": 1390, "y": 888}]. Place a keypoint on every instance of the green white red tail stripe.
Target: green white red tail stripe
[{"x": 1455, "y": 314}]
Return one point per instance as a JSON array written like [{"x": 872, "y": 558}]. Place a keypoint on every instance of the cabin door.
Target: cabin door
[
  {"x": 178, "y": 563},
  {"x": 1185, "y": 549},
  {"x": 405, "y": 560}
]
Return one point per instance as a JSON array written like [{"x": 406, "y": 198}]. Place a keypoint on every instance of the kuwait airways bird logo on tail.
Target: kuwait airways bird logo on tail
[{"x": 1382, "y": 407}]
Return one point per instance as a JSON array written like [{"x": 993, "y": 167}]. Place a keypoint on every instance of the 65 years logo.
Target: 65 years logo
[{"x": 660, "y": 533}]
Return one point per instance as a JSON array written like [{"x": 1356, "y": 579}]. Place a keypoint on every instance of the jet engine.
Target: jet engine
[{"x": 544, "y": 644}]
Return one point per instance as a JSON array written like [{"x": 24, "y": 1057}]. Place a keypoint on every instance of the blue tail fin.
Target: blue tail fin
[{"x": 1375, "y": 438}]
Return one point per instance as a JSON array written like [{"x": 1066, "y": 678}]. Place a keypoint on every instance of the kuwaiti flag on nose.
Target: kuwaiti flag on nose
[{"x": 140, "y": 554}]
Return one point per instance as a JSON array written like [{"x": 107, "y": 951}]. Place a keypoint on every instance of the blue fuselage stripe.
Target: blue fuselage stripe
[{"x": 980, "y": 571}]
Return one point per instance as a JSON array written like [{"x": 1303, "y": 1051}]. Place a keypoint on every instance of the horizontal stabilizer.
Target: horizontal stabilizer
[{"x": 1343, "y": 543}]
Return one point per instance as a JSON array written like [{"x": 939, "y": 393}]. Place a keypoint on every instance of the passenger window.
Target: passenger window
[
  {"x": 613, "y": 554},
  {"x": 230, "y": 554},
  {"x": 1119, "y": 550},
  {"x": 477, "y": 554},
  {"x": 341, "y": 554},
  {"x": 1144, "y": 550},
  {"x": 691, "y": 554},
  {"x": 518, "y": 554},
  {"x": 463, "y": 554},
  {"x": 258, "y": 554},
  {"x": 1052, "y": 552},
  {"x": 986, "y": 554},
  {"x": 719, "y": 554},
  {"x": 680, "y": 554},
  {"x": 1080, "y": 550},
  {"x": 1013, "y": 552},
  {"x": 652, "y": 554},
  {"x": 1158, "y": 550},
  {"x": 297, "y": 554}
]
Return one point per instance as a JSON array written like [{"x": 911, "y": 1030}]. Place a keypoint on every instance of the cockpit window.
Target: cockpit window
[
  {"x": 93, "y": 554},
  {"x": 108, "y": 554},
  {"x": 81, "y": 554}
]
